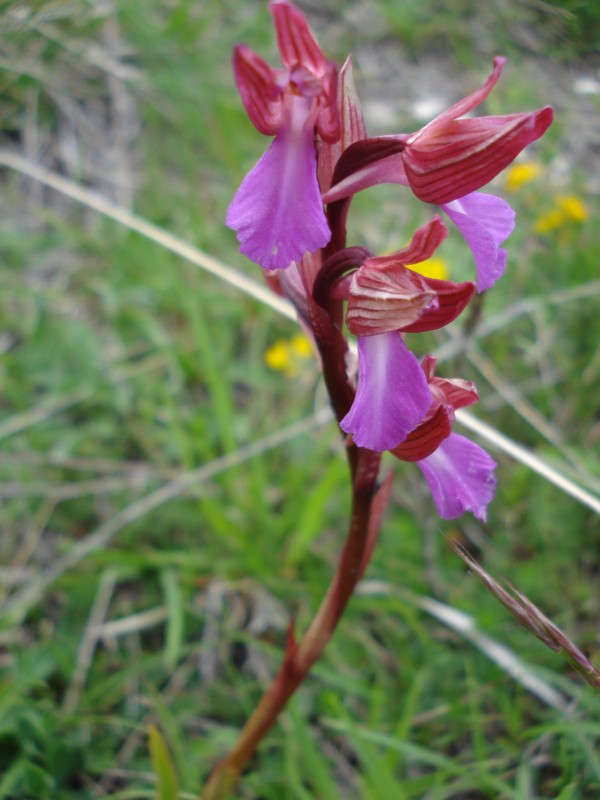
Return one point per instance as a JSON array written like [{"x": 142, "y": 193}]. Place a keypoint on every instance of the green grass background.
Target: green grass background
[{"x": 123, "y": 367}]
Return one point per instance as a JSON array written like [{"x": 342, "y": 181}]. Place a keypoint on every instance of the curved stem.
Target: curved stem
[{"x": 367, "y": 506}]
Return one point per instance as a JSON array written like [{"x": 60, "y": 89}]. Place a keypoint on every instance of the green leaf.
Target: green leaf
[
  {"x": 164, "y": 769},
  {"x": 175, "y": 626}
]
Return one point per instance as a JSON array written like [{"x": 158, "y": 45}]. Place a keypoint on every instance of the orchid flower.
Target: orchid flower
[
  {"x": 444, "y": 163},
  {"x": 460, "y": 474},
  {"x": 385, "y": 300},
  {"x": 277, "y": 212}
]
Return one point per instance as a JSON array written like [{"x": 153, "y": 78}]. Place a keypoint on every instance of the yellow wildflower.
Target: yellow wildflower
[
  {"x": 572, "y": 208},
  {"x": 432, "y": 268},
  {"x": 287, "y": 355},
  {"x": 277, "y": 356},
  {"x": 519, "y": 174},
  {"x": 549, "y": 221},
  {"x": 301, "y": 346},
  {"x": 566, "y": 209}
]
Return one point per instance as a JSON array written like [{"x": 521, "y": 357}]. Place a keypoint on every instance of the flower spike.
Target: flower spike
[{"x": 321, "y": 155}]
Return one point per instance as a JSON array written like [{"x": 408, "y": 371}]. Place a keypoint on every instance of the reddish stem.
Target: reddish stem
[{"x": 364, "y": 525}]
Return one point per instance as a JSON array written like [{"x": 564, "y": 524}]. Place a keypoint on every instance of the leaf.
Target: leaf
[
  {"x": 162, "y": 764},
  {"x": 175, "y": 619}
]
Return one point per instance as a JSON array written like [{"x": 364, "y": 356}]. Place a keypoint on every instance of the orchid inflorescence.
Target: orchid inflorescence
[{"x": 290, "y": 217}]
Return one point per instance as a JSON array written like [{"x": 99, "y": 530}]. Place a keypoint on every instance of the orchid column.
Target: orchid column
[{"x": 290, "y": 216}]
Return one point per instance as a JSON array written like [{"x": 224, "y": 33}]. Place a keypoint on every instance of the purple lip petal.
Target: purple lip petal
[
  {"x": 392, "y": 396},
  {"x": 277, "y": 211},
  {"x": 485, "y": 221},
  {"x": 461, "y": 477}
]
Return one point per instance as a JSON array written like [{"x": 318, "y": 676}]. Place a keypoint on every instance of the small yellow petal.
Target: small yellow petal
[
  {"x": 519, "y": 174},
  {"x": 573, "y": 208},
  {"x": 567, "y": 209},
  {"x": 278, "y": 356},
  {"x": 301, "y": 346},
  {"x": 549, "y": 221},
  {"x": 432, "y": 268},
  {"x": 287, "y": 356}
]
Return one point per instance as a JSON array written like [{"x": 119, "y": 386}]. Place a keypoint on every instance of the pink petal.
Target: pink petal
[
  {"x": 392, "y": 396},
  {"x": 461, "y": 477},
  {"x": 424, "y": 243},
  {"x": 258, "y": 89},
  {"x": 426, "y": 437},
  {"x": 447, "y": 162},
  {"x": 277, "y": 211},
  {"x": 352, "y": 126},
  {"x": 466, "y": 104},
  {"x": 297, "y": 44},
  {"x": 455, "y": 392},
  {"x": 485, "y": 221},
  {"x": 385, "y": 298},
  {"x": 451, "y": 299}
]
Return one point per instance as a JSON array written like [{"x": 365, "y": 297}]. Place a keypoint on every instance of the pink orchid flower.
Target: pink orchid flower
[
  {"x": 277, "y": 212},
  {"x": 444, "y": 163},
  {"x": 459, "y": 473},
  {"x": 385, "y": 300}
]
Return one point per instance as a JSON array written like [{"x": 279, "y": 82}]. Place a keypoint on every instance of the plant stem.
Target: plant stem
[{"x": 363, "y": 529}]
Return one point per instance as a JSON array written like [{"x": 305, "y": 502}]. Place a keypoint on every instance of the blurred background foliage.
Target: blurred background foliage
[{"x": 123, "y": 369}]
